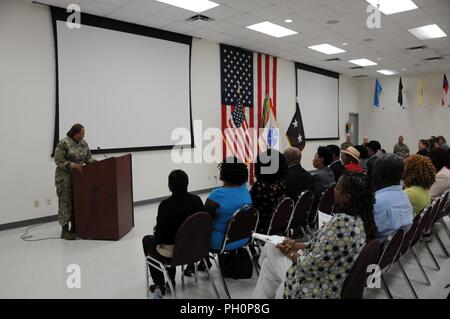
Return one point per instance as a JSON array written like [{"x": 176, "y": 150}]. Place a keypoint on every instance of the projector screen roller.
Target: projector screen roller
[
  {"x": 129, "y": 90},
  {"x": 318, "y": 96}
]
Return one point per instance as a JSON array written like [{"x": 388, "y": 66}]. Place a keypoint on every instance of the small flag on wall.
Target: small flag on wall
[
  {"x": 296, "y": 132},
  {"x": 444, "y": 101},
  {"x": 378, "y": 90},
  {"x": 421, "y": 93},
  {"x": 400, "y": 93}
]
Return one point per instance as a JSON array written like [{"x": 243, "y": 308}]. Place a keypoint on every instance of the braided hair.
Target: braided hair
[{"x": 362, "y": 199}]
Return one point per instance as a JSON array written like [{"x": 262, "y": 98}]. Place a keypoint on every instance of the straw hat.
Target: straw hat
[{"x": 353, "y": 152}]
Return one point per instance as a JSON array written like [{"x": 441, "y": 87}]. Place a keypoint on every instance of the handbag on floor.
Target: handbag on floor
[{"x": 236, "y": 264}]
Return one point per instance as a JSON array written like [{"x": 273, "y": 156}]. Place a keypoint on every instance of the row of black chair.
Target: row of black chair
[{"x": 397, "y": 245}]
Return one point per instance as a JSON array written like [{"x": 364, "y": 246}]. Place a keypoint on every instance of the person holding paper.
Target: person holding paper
[{"x": 318, "y": 269}]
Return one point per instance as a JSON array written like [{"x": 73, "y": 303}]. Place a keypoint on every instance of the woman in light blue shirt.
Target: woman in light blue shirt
[{"x": 224, "y": 201}]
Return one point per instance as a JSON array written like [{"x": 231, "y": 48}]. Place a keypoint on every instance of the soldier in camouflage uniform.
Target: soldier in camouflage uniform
[
  {"x": 347, "y": 142},
  {"x": 71, "y": 154},
  {"x": 401, "y": 149}
]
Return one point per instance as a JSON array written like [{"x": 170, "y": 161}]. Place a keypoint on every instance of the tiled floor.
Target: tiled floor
[{"x": 116, "y": 269}]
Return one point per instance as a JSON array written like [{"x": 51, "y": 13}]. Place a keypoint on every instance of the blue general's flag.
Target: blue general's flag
[{"x": 378, "y": 90}]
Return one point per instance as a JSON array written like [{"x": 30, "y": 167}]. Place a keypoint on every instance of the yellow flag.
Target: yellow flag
[{"x": 421, "y": 93}]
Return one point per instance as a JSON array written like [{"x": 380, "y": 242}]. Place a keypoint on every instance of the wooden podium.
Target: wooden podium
[{"x": 103, "y": 199}]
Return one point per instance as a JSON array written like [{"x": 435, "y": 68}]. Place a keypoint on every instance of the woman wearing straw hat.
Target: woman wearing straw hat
[{"x": 350, "y": 159}]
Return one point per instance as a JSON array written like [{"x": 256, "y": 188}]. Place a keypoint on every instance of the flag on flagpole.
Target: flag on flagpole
[
  {"x": 444, "y": 101},
  {"x": 400, "y": 93},
  {"x": 237, "y": 104},
  {"x": 296, "y": 132},
  {"x": 268, "y": 134},
  {"x": 421, "y": 93},
  {"x": 378, "y": 90}
]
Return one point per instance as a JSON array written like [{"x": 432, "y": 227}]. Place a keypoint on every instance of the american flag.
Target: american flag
[
  {"x": 256, "y": 76},
  {"x": 237, "y": 93}
]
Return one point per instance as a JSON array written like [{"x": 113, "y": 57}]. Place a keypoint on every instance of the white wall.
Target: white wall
[
  {"x": 27, "y": 102},
  {"x": 414, "y": 122}
]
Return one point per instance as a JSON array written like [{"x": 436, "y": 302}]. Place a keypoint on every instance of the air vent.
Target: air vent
[
  {"x": 433, "y": 58},
  {"x": 420, "y": 47},
  {"x": 333, "y": 59},
  {"x": 356, "y": 67},
  {"x": 360, "y": 76},
  {"x": 199, "y": 17}
]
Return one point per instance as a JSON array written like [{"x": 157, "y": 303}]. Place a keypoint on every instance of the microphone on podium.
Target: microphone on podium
[{"x": 98, "y": 148}]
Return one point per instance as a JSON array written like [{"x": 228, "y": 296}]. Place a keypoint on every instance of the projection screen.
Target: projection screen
[
  {"x": 129, "y": 85},
  {"x": 318, "y": 97}
]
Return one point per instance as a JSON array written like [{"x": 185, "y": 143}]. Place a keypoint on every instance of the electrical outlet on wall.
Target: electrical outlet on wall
[
  {"x": 49, "y": 201},
  {"x": 36, "y": 203}
]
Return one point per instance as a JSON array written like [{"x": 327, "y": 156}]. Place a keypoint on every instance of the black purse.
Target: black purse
[{"x": 236, "y": 264}]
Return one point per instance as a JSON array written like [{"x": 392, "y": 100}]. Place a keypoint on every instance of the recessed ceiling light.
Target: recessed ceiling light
[
  {"x": 391, "y": 7},
  {"x": 344, "y": 43},
  {"x": 288, "y": 20},
  {"x": 386, "y": 72},
  {"x": 378, "y": 59},
  {"x": 403, "y": 69},
  {"x": 192, "y": 5},
  {"x": 327, "y": 48},
  {"x": 426, "y": 32},
  {"x": 362, "y": 62},
  {"x": 271, "y": 29}
]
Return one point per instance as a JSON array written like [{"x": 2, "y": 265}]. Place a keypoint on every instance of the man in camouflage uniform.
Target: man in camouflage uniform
[
  {"x": 401, "y": 149},
  {"x": 71, "y": 154},
  {"x": 347, "y": 143}
]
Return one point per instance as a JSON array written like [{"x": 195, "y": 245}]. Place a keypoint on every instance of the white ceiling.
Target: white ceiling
[{"x": 387, "y": 46}]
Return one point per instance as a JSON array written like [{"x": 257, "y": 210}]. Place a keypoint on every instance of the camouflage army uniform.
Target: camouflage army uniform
[
  {"x": 68, "y": 153},
  {"x": 401, "y": 150},
  {"x": 346, "y": 145}
]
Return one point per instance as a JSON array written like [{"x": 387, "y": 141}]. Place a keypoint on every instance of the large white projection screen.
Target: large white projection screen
[
  {"x": 128, "y": 90},
  {"x": 318, "y": 97}
]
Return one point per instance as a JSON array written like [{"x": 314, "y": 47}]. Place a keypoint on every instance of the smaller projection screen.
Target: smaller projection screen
[{"x": 318, "y": 97}]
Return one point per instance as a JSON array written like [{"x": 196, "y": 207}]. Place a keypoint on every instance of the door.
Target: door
[{"x": 353, "y": 119}]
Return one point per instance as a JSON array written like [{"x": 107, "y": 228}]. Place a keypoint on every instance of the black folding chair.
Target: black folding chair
[
  {"x": 281, "y": 216},
  {"x": 191, "y": 245},
  {"x": 355, "y": 282},
  {"x": 298, "y": 225},
  {"x": 326, "y": 205},
  {"x": 388, "y": 256},
  {"x": 241, "y": 226},
  {"x": 442, "y": 212}
]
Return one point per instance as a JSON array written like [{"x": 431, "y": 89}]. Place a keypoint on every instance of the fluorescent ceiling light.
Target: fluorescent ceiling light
[
  {"x": 386, "y": 72},
  {"x": 192, "y": 5},
  {"x": 393, "y": 6},
  {"x": 426, "y": 32},
  {"x": 288, "y": 20},
  {"x": 362, "y": 62},
  {"x": 271, "y": 29},
  {"x": 327, "y": 48}
]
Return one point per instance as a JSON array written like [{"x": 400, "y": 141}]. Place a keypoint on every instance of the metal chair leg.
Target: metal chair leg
[
  {"x": 216, "y": 262},
  {"x": 428, "y": 283},
  {"x": 169, "y": 281},
  {"x": 441, "y": 243},
  {"x": 212, "y": 280},
  {"x": 147, "y": 279},
  {"x": 407, "y": 280},
  {"x": 432, "y": 256},
  {"x": 182, "y": 276},
  {"x": 196, "y": 272},
  {"x": 386, "y": 288},
  {"x": 251, "y": 258}
]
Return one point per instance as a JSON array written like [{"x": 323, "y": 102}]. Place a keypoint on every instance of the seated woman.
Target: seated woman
[
  {"x": 441, "y": 161},
  {"x": 418, "y": 176},
  {"x": 270, "y": 187},
  {"x": 224, "y": 201},
  {"x": 318, "y": 269},
  {"x": 172, "y": 212},
  {"x": 350, "y": 159}
]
